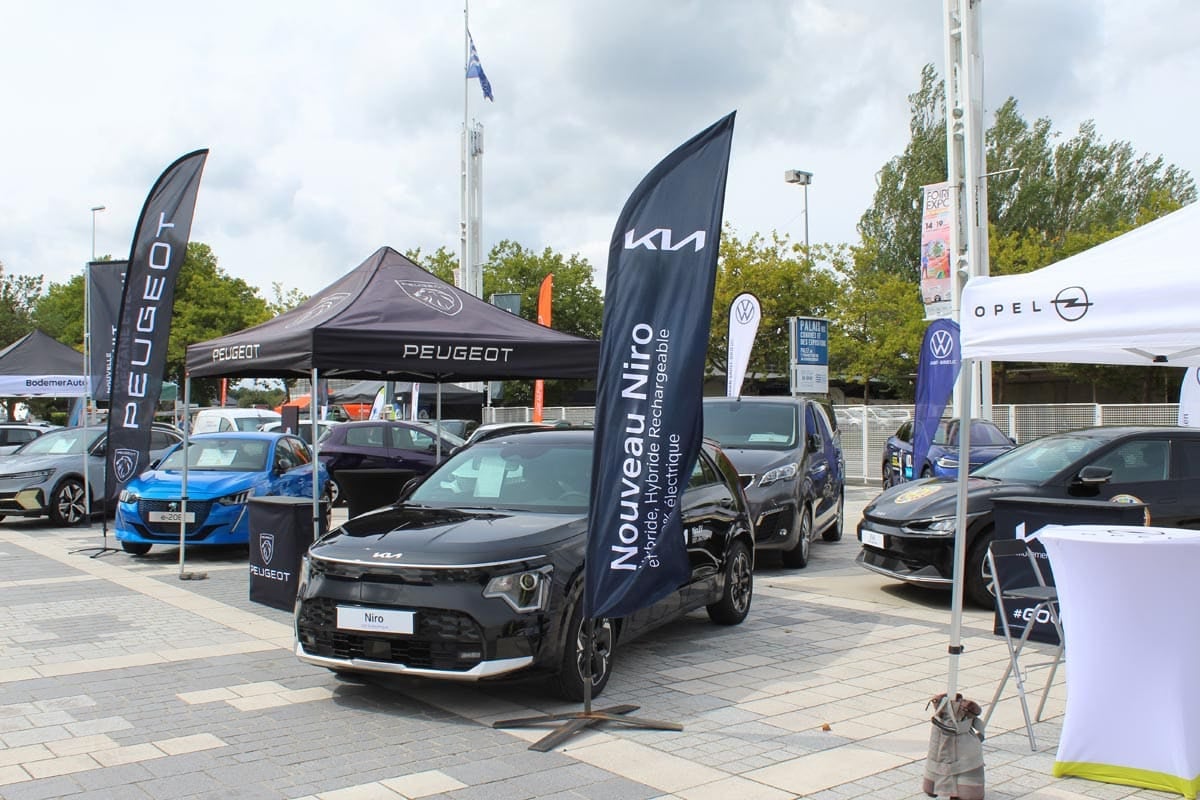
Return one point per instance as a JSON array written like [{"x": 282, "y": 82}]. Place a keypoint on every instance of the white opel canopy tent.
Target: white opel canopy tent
[{"x": 1131, "y": 300}]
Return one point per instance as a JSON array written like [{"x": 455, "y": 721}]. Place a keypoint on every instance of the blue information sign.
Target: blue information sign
[{"x": 810, "y": 354}]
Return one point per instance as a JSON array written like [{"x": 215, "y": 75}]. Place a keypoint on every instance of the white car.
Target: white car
[
  {"x": 305, "y": 430},
  {"x": 222, "y": 420}
]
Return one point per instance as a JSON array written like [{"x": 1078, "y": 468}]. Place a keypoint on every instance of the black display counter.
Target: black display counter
[
  {"x": 281, "y": 530},
  {"x": 367, "y": 489},
  {"x": 1023, "y": 517}
]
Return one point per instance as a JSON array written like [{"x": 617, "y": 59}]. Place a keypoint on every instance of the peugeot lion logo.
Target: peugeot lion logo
[
  {"x": 431, "y": 294},
  {"x": 1072, "y": 303},
  {"x": 266, "y": 546},
  {"x": 745, "y": 311},
  {"x": 319, "y": 309},
  {"x": 941, "y": 344},
  {"x": 125, "y": 463}
]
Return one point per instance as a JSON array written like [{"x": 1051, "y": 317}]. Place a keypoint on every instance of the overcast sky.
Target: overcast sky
[{"x": 334, "y": 127}]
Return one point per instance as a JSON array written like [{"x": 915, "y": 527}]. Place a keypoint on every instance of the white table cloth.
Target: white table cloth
[{"x": 1129, "y": 609}]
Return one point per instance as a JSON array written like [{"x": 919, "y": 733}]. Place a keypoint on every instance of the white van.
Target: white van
[{"x": 217, "y": 420}]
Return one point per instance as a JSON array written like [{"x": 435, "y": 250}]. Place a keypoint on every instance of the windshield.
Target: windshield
[
  {"x": 522, "y": 476},
  {"x": 72, "y": 441},
  {"x": 983, "y": 433},
  {"x": 758, "y": 426},
  {"x": 224, "y": 454},
  {"x": 1039, "y": 460}
]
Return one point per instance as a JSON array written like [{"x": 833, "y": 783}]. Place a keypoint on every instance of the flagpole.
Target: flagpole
[{"x": 464, "y": 268}]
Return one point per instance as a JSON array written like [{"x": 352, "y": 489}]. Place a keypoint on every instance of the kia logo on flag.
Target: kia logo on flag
[
  {"x": 745, "y": 311},
  {"x": 125, "y": 463},
  {"x": 941, "y": 344},
  {"x": 322, "y": 307},
  {"x": 665, "y": 238},
  {"x": 266, "y": 546},
  {"x": 433, "y": 295},
  {"x": 1072, "y": 303}
]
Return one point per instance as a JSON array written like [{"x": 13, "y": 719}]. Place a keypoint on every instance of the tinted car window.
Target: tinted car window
[
  {"x": 811, "y": 426},
  {"x": 764, "y": 426},
  {"x": 702, "y": 474},
  {"x": 1135, "y": 462},
  {"x": 1189, "y": 458},
  {"x": 1039, "y": 460},
  {"x": 365, "y": 436}
]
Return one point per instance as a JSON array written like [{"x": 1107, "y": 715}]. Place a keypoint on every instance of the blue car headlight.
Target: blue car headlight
[
  {"x": 523, "y": 591},
  {"x": 236, "y": 499},
  {"x": 784, "y": 473},
  {"x": 948, "y": 462}
]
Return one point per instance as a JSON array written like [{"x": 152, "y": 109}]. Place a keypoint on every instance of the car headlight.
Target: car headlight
[
  {"x": 948, "y": 462},
  {"x": 786, "y": 472},
  {"x": 127, "y": 496},
  {"x": 943, "y": 526},
  {"x": 236, "y": 499},
  {"x": 523, "y": 591},
  {"x": 36, "y": 476}
]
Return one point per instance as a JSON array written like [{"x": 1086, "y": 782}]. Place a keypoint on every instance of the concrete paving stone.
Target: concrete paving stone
[
  {"x": 616, "y": 788},
  {"x": 58, "y": 787}
]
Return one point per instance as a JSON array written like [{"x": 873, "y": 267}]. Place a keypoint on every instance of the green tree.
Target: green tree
[
  {"x": 442, "y": 263},
  {"x": 18, "y": 299},
  {"x": 284, "y": 299},
  {"x": 786, "y": 283}
]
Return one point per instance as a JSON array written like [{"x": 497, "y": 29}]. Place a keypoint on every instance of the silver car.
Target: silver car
[{"x": 45, "y": 477}]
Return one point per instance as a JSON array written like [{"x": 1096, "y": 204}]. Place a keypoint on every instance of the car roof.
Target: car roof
[
  {"x": 240, "y": 435},
  {"x": 759, "y": 398}
]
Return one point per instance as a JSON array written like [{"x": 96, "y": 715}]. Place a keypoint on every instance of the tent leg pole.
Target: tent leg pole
[{"x": 960, "y": 530}]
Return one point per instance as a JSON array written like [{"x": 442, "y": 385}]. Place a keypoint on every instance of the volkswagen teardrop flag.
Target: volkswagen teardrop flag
[
  {"x": 657, "y": 313},
  {"x": 745, "y": 312},
  {"x": 937, "y": 370},
  {"x": 147, "y": 300}
]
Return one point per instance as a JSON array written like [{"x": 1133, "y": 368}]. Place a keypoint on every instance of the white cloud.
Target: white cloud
[{"x": 334, "y": 129}]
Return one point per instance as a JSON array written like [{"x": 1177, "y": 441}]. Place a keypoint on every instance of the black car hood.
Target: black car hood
[
  {"x": 414, "y": 535},
  {"x": 935, "y": 497},
  {"x": 748, "y": 461}
]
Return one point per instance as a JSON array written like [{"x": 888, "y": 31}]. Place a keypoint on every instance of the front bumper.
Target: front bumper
[
  {"x": 905, "y": 556},
  {"x": 213, "y": 523},
  {"x": 30, "y": 502}
]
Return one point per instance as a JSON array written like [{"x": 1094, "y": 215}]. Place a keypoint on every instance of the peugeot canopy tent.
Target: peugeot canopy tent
[
  {"x": 1130, "y": 300},
  {"x": 389, "y": 319}
]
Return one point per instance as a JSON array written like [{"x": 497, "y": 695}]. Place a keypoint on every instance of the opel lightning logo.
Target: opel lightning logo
[
  {"x": 436, "y": 296},
  {"x": 1072, "y": 303},
  {"x": 745, "y": 311},
  {"x": 266, "y": 546},
  {"x": 941, "y": 344}
]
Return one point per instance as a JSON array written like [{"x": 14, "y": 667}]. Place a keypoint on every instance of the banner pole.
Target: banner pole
[{"x": 183, "y": 485}]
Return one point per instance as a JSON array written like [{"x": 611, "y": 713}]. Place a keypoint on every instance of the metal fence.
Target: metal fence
[{"x": 865, "y": 429}]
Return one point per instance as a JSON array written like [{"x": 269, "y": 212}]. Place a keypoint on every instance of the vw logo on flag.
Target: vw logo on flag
[
  {"x": 746, "y": 310},
  {"x": 941, "y": 344},
  {"x": 266, "y": 546},
  {"x": 125, "y": 463}
]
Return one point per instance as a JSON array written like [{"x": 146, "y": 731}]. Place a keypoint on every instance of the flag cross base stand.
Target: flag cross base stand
[
  {"x": 96, "y": 552},
  {"x": 577, "y": 721}
]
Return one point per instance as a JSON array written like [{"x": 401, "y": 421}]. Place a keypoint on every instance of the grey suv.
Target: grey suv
[{"x": 789, "y": 455}]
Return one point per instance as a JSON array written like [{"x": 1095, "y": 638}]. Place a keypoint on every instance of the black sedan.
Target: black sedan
[
  {"x": 907, "y": 532},
  {"x": 476, "y": 573}
]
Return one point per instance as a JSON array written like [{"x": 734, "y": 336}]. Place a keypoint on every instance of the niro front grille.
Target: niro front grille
[{"x": 441, "y": 639}]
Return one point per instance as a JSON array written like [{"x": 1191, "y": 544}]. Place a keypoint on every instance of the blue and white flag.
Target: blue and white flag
[
  {"x": 662, "y": 267},
  {"x": 475, "y": 70},
  {"x": 937, "y": 370}
]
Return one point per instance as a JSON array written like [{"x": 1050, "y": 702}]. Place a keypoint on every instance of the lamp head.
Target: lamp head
[
  {"x": 97, "y": 208},
  {"x": 798, "y": 176}
]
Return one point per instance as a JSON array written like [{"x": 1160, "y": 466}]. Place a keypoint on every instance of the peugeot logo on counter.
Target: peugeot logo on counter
[
  {"x": 1072, "y": 303},
  {"x": 266, "y": 546}
]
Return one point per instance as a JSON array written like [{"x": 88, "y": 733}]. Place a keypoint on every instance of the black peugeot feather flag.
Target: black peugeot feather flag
[
  {"x": 140, "y": 350},
  {"x": 657, "y": 310}
]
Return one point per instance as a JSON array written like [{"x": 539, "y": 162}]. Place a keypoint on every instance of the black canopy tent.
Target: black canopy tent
[
  {"x": 389, "y": 319},
  {"x": 38, "y": 365}
]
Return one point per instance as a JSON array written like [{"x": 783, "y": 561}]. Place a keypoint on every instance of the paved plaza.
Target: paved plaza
[{"x": 119, "y": 680}]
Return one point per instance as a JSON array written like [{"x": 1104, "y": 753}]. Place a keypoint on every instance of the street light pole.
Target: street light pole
[
  {"x": 804, "y": 179},
  {"x": 94, "y": 210}
]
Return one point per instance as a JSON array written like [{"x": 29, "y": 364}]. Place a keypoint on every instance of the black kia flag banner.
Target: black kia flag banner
[
  {"x": 657, "y": 311},
  {"x": 105, "y": 282},
  {"x": 144, "y": 322}
]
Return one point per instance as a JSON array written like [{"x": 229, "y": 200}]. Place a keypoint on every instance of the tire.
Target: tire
[
  {"x": 834, "y": 532},
  {"x": 977, "y": 581},
  {"x": 568, "y": 683},
  {"x": 926, "y": 471},
  {"x": 136, "y": 548},
  {"x": 335, "y": 493},
  {"x": 735, "y": 600},
  {"x": 68, "y": 503},
  {"x": 797, "y": 557}
]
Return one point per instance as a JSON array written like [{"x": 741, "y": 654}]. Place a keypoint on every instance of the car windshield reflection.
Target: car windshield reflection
[
  {"x": 517, "y": 476},
  {"x": 762, "y": 426},
  {"x": 221, "y": 454},
  {"x": 1038, "y": 460}
]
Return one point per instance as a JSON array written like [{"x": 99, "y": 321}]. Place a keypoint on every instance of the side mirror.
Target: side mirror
[
  {"x": 1093, "y": 476},
  {"x": 814, "y": 443}
]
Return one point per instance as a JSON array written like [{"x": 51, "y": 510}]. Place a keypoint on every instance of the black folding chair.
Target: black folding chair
[{"x": 1025, "y": 601}]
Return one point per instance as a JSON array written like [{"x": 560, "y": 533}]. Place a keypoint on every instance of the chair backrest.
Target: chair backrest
[{"x": 1015, "y": 567}]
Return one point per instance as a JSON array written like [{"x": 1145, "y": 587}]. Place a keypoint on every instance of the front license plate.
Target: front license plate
[
  {"x": 374, "y": 620},
  {"x": 873, "y": 539},
  {"x": 170, "y": 516}
]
